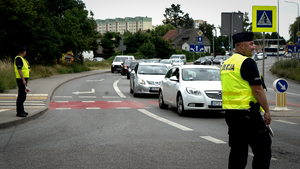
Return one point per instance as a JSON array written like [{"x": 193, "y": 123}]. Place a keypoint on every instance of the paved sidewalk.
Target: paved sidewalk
[{"x": 42, "y": 90}]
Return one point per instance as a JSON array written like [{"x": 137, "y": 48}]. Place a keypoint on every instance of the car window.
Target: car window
[
  {"x": 133, "y": 64},
  {"x": 169, "y": 73},
  {"x": 120, "y": 59},
  {"x": 176, "y": 73},
  {"x": 153, "y": 69},
  {"x": 201, "y": 74}
]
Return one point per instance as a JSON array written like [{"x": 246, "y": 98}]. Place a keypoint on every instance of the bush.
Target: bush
[
  {"x": 7, "y": 74},
  {"x": 285, "y": 69}
]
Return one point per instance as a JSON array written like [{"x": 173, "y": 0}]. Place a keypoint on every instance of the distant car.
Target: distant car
[
  {"x": 154, "y": 60},
  {"x": 177, "y": 62},
  {"x": 260, "y": 56},
  {"x": 146, "y": 78},
  {"x": 167, "y": 62},
  {"x": 116, "y": 63},
  {"x": 202, "y": 61},
  {"x": 88, "y": 55},
  {"x": 98, "y": 59},
  {"x": 131, "y": 67},
  {"x": 217, "y": 60},
  {"x": 191, "y": 87},
  {"x": 124, "y": 66},
  {"x": 179, "y": 56}
]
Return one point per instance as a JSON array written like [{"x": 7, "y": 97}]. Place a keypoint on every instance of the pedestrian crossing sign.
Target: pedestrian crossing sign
[{"x": 264, "y": 19}]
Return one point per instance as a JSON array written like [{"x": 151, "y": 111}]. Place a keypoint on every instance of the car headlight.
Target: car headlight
[
  {"x": 129, "y": 70},
  {"x": 193, "y": 91},
  {"x": 141, "y": 81}
]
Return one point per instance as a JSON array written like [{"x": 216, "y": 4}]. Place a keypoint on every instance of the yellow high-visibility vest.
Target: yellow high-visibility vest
[
  {"x": 25, "y": 68},
  {"x": 236, "y": 92}
]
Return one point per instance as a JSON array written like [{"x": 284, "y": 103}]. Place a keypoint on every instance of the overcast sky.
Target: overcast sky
[{"x": 208, "y": 10}]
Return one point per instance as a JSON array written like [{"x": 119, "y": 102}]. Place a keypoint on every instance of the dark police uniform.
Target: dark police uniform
[{"x": 245, "y": 128}]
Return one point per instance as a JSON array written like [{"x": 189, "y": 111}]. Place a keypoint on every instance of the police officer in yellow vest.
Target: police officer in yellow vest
[
  {"x": 22, "y": 70},
  {"x": 241, "y": 85}
]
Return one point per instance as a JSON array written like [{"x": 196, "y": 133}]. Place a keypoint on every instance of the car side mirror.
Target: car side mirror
[{"x": 174, "y": 78}]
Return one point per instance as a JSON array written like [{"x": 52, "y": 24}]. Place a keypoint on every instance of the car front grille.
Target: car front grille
[
  {"x": 117, "y": 66},
  {"x": 214, "y": 94},
  {"x": 153, "y": 82}
]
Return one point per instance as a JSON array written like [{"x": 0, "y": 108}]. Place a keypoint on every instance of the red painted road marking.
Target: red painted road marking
[{"x": 102, "y": 104}]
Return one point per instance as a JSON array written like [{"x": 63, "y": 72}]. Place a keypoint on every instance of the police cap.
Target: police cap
[
  {"x": 22, "y": 49},
  {"x": 243, "y": 37}
]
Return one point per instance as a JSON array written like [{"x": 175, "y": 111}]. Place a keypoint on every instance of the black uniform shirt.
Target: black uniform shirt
[
  {"x": 19, "y": 63},
  {"x": 250, "y": 73}
]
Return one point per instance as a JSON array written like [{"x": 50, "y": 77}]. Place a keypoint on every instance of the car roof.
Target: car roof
[
  {"x": 197, "y": 66},
  {"x": 149, "y": 63}
]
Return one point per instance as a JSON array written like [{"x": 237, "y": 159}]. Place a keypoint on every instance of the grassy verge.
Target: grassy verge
[
  {"x": 8, "y": 77},
  {"x": 287, "y": 69}
]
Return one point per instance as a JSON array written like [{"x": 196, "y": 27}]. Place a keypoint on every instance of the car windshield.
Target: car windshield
[
  {"x": 153, "y": 69},
  {"x": 201, "y": 74},
  {"x": 177, "y": 60},
  {"x": 153, "y": 61},
  {"x": 133, "y": 64},
  {"x": 127, "y": 62},
  {"x": 165, "y": 61},
  {"x": 120, "y": 59},
  {"x": 175, "y": 57}
]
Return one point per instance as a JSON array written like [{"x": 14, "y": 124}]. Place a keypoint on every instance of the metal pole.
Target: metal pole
[
  {"x": 231, "y": 33},
  {"x": 213, "y": 44},
  {"x": 277, "y": 58},
  {"x": 264, "y": 52}
]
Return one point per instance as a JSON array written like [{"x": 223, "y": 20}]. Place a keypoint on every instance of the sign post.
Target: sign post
[
  {"x": 280, "y": 86},
  {"x": 197, "y": 48},
  {"x": 264, "y": 20}
]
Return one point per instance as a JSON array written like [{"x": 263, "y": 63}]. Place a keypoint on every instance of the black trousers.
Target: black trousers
[
  {"x": 21, "y": 96},
  {"x": 243, "y": 132}
]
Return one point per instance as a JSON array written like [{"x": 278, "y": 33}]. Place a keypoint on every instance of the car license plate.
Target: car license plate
[
  {"x": 154, "y": 88},
  {"x": 118, "y": 69},
  {"x": 216, "y": 103}
]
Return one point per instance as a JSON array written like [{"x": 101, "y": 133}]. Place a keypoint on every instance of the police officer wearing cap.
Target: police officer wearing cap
[
  {"x": 242, "y": 84},
  {"x": 22, "y": 71}
]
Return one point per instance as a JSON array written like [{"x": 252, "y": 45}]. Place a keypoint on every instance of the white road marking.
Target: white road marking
[
  {"x": 41, "y": 104},
  {"x": 88, "y": 92},
  {"x": 87, "y": 97},
  {"x": 63, "y": 96},
  {"x": 181, "y": 127},
  {"x": 92, "y": 108},
  {"x": 251, "y": 154},
  {"x": 88, "y": 101},
  {"x": 95, "y": 80},
  {"x": 110, "y": 97},
  {"x": 2, "y": 110},
  {"x": 214, "y": 140},
  {"x": 115, "y": 85},
  {"x": 114, "y": 101},
  {"x": 287, "y": 122}
]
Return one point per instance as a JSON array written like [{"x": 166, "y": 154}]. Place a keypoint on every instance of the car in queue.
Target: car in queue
[
  {"x": 99, "y": 59},
  {"x": 191, "y": 87},
  {"x": 146, "y": 78},
  {"x": 167, "y": 62},
  {"x": 131, "y": 67},
  {"x": 118, "y": 60},
  {"x": 154, "y": 60},
  {"x": 177, "y": 62},
  {"x": 124, "y": 66},
  {"x": 217, "y": 60},
  {"x": 202, "y": 61},
  {"x": 179, "y": 56},
  {"x": 260, "y": 56}
]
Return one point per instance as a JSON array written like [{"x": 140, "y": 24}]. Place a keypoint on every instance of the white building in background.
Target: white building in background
[{"x": 122, "y": 25}]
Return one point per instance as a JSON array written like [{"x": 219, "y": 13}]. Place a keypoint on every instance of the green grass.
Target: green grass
[{"x": 287, "y": 69}]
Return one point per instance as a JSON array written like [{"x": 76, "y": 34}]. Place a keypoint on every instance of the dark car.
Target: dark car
[
  {"x": 154, "y": 60},
  {"x": 124, "y": 66},
  {"x": 203, "y": 61},
  {"x": 131, "y": 67},
  {"x": 217, "y": 60}
]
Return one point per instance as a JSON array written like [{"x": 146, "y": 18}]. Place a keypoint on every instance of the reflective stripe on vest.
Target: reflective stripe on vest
[
  {"x": 25, "y": 68},
  {"x": 236, "y": 92}
]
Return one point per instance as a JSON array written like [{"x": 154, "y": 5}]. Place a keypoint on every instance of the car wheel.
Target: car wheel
[
  {"x": 128, "y": 77},
  {"x": 112, "y": 70},
  {"x": 180, "y": 107},
  {"x": 161, "y": 103}
]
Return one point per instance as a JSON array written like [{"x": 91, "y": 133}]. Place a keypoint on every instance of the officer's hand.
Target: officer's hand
[
  {"x": 24, "y": 82},
  {"x": 267, "y": 118}
]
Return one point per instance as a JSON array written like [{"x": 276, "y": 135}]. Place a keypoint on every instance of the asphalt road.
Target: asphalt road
[{"x": 94, "y": 122}]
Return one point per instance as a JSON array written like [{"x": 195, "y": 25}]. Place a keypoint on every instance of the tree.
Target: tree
[
  {"x": 247, "y": 25},
  {"x": 109, "y": 41},
  {"x": 161, "y": 30},
  {"x": 188, "y": 23},
  {"x": 173, "y": 15},
  {"x": 134, "y": 41},
  {"x": 148, "y": 50},
  {"x": 293, "y": 29}
]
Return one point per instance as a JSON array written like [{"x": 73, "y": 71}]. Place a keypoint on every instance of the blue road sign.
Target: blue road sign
[
  {"x": 293, "y": 49},
  {"x": 264, "y": 18},
  {"x": 196, "y": 48},
  {"x": 280, "y": 85},
  {"x": 200, "y": 39},
  {"x": 298, "y": 40}
]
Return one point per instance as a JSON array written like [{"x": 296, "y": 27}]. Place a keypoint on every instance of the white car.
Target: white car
[
  {"x": 146, "y": 78},
  {"x": 191, "y": 87},
  {"x": 177, "y": 62},
  {"x": 260, "y": 56},
  {"x": 116, "y": 64},
  {"x": 166, "y": 62}
]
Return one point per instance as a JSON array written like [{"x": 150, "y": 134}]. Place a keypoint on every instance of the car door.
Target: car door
[
  {"x": 133, "y": 76},
  {"x": 173, "y": 86},
  {"x": 165, "y": 85}
]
